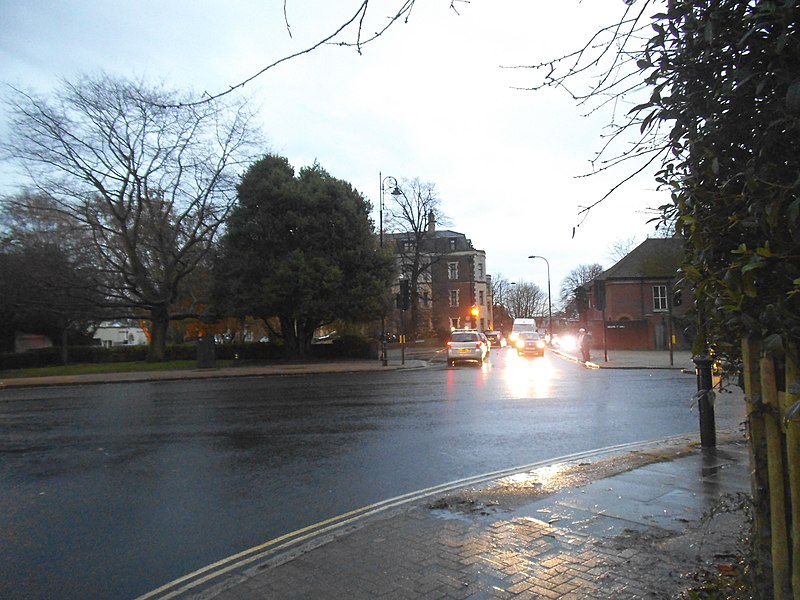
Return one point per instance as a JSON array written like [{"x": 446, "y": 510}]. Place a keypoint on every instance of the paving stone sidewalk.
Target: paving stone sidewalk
[{"x": 632, "y": 525}]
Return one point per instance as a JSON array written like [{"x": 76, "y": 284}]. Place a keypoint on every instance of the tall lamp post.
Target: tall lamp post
[
  {"x": 395, "y": 192},
  {"x": 549, "y": 299}
]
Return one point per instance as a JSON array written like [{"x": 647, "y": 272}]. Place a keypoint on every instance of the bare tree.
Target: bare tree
[
  {"x": 525, "y": 300},
  {"x": 354, "y": 32},
  {"x": 620, "y": 249},
  {"x": 412, "y": 215},
  {"x": 152, "y": 181},
  {"x": 501, "y": 289},
  {"x": 576, "y": 278}
]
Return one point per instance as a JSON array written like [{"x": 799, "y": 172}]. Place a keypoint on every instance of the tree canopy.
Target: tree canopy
[
  {"x": 725, "y": 77},
  {"x": 302, "y": 249},
  {"x": 47, "y": 272},
  {"x": 147, "y": 181}
]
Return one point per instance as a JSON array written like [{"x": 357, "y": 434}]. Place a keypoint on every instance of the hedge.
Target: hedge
[{"x": 349, "y": 346}]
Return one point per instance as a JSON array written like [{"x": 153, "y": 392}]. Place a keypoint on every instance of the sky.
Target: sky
[{"x": 433, "y": 98}]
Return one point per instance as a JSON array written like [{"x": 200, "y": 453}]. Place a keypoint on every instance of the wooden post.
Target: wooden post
[
  {"x": 759, "y": 478},
  {"x": 792, "y": 415},
  {"x": 777, "y": 485}
]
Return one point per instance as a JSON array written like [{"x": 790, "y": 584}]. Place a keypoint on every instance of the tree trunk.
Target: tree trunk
[
  {"x": 64, "y": 341},
  {"x": 159, "y": 322},
  {"x": 289, "y": 332}
]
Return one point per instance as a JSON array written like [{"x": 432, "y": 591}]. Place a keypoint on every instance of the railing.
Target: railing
[{"x": 772, "y": 391}]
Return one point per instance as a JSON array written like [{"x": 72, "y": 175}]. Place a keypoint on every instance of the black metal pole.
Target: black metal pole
[
  {"x": 705, "y": 389},
  {"x": 384, "y": 358}
]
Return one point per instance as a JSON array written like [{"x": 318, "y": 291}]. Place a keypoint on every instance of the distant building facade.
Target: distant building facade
[
  {"x": 634, "y": 305},
  {"x": 453, "y": 286}
]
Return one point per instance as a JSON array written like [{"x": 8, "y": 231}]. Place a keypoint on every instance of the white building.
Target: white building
[{"x": 120, "y": 333}]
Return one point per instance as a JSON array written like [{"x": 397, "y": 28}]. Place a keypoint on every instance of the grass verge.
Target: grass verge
[{"x": 92, "y": 368}]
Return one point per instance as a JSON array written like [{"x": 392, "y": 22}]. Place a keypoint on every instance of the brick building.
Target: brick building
[
  {"x": 453, "y": 288},
  {"x": 634, "y": 304}
]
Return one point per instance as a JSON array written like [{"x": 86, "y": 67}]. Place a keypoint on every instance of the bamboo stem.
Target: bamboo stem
[
  {"x": 777, "y": 488},
  {"x": 759, "y": 477},
  {"x": 793, "y": 460}
]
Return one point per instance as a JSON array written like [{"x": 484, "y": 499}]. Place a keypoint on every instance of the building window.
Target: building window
[
  {"x": 480, "y": 297},
  {"x": 452, "y": 244},
  {"x": 480, "y": 271},
  {"x": 408, "y": 246},
  {"x": 454, "y": 322},
  {"x": 453, "y": 297},
  {"x": 659, "y": 298},
  {"x": 452, "y": 270}
]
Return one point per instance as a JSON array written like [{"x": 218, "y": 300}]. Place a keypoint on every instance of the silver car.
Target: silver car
[
  {"x": 466, "y": 345},
  {"x": 530, "y": 342}
]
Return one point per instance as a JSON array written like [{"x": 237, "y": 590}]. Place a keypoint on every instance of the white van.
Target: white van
[{"x": 519, "y": 326}]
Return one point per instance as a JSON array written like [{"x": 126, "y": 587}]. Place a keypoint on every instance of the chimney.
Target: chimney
[{"x": 431, "y": 221}]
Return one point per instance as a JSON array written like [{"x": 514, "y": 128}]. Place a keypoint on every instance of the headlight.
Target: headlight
[
  {"x": 520, "y": 344},
  {"x": 540, "y": 344}
]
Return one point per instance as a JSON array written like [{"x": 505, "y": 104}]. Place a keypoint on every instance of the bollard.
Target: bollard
[{"x": 705, "y": 403}]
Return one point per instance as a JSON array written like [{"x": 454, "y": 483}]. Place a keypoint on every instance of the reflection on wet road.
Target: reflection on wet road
[{"x": 110, "y": 491}]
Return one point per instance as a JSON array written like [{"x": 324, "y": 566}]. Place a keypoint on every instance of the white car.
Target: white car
[{"x": 466, "y": 345}]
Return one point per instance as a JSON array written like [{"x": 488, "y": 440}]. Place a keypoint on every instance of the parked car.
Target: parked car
[
  {"x": 530, "y": 342},
  {"x": 328, "y": 338},
  {"x": 467, "y": 345},
  {"x": 496, "y": 339}
]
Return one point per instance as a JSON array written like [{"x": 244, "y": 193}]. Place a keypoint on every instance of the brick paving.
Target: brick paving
[{"x": 516, "y": 551}]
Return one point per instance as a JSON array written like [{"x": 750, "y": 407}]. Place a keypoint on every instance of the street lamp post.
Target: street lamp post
[
  {"x": 395, "y": 192},
  {"x": 549, "y": 299}
]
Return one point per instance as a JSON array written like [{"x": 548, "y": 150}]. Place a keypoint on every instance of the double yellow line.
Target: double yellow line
[{"x": 203, "y": 576}]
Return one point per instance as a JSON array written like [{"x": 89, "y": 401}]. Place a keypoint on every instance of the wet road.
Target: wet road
[{"x": 110, "y": 491}]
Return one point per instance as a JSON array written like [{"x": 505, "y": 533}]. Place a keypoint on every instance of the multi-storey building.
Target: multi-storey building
[{"x": 453, "y": 289}]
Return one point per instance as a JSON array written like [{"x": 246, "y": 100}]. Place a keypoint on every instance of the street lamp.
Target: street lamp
[
  {"x": 549, "y": 299},
  {"x": 395, "y": 192}
]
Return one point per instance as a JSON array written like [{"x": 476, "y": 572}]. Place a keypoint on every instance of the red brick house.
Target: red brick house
[{"x": 634, "y": 304}]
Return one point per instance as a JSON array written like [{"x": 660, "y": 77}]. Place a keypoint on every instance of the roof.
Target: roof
[
  {"x": 654, "y": 258},
  {"x": 439, "y": 233}
]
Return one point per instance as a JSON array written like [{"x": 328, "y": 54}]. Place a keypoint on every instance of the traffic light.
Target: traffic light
[{"x": 405, "y": 294}]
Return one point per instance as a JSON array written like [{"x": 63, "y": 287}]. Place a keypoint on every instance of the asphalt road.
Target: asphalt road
[{"x": 109, "y": 491}]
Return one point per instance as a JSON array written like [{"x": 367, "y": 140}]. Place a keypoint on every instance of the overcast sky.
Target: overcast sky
[{"x": 430, "y": 99}]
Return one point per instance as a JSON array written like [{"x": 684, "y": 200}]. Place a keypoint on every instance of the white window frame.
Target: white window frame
[
  {"x": 660, "y": 298},
  {"x": 452, "y": 270},
  {"x": 454, "y": 297}
]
